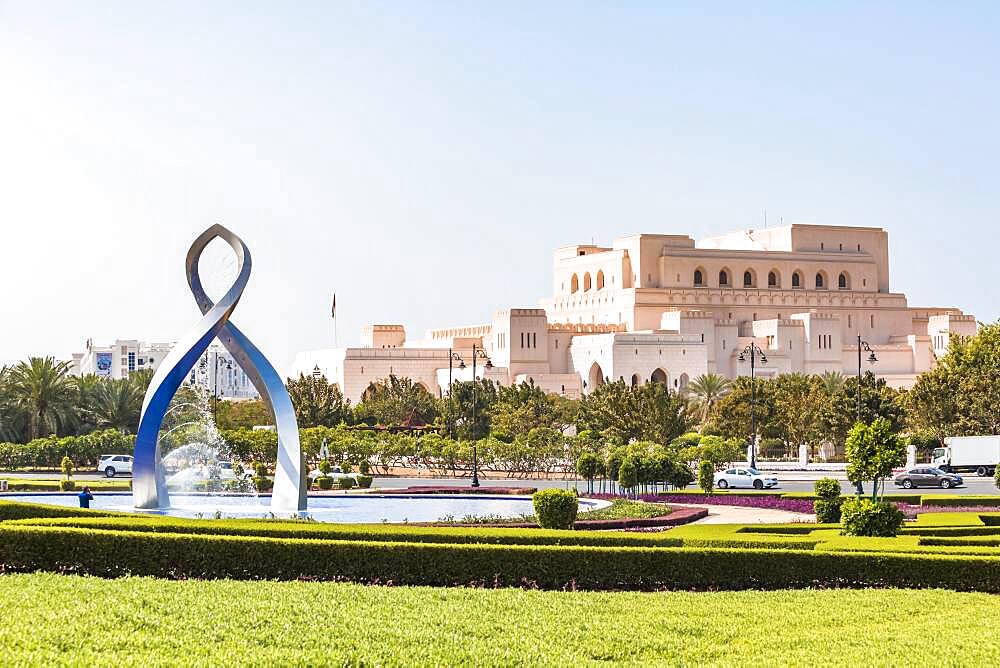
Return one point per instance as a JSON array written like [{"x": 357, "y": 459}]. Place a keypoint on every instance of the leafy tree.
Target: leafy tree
[
  {"x": 705, "y": 391},
  {"x": 319, "y": 403},
  {"x": 799, "y": 400},
  {"x": 957, "y": 396},
  {"x": 628, "y": 473},
  {"x": 44, "y": 392},
  {"x": 398, "y": 401},
  {"x": 706, "y": 476},
  {"x": 872, "y": 452},
  {"x": 520, "y": 408},
  {"x": 467, "y": 416},
  {"x": 648, "y": 412},
  {"x": 587, "y": 467},
  {"x": 246, "y": 414},
  {"x": 878, "y": 400},
  {"x": 732, "y": 412}
]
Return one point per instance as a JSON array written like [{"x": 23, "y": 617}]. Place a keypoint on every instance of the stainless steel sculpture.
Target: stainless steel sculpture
[{"x": 149, "y": 489}]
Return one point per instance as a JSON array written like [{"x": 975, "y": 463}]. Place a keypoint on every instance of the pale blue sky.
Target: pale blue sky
[{"x": 424, "y": 159}]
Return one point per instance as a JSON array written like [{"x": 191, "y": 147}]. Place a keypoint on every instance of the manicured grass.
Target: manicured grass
[{"x": 69, "y": 620}]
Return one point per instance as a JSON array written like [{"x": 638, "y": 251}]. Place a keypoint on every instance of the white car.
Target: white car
[
  {"x": 227, "y": 471},
  {"x": 744, "y": 477},
  {"x": 112, "y": 465}
]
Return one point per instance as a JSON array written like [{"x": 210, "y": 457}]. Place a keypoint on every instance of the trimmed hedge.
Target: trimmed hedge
[
  {"x": 119, "y": 553},
  {"x": 39, "y": 485},
  {"x": 18, "y": 510},
  {"x": 358, "y": 532},
  {"x": 957, "y": 500}
]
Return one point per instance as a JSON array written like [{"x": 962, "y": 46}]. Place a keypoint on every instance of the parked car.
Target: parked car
[
  {"x": 334, "y": 473},
  {"x": 230, "y": 471},
  {"x": 744, "y": 477},
  {"x": 112, "y": 465},
  {"x": 927, "y": 476}
]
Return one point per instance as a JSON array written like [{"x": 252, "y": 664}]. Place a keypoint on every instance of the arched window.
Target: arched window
[
  {"x": 586, "y": 282},
  {"x": 659, "y": 376},
  {"x": 820, "y": 283},
  {"x": 723, "y": 278},
  {"x": 635, "y": 380},
  {"x": 574, "y": 284},
  {"x": 796, "y": 280},
  {"x": 772, "y": 279},
  {"x": 842, "y": 282},
  {"x": 600, "y": 280},
  {"x": 748, "y": 279},
  {"x": 699, "y": 278}
]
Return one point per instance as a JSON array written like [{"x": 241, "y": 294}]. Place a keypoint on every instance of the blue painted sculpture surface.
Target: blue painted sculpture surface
[{"x": 149, "y": 489}]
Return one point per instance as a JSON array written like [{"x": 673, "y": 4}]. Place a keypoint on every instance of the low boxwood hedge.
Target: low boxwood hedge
[
  {"x": 957, "y": 500},
  {"x": 117, "y": 553},
  {"x": 38, "y": 485},
  {"x": 362, "y": 532},
  {"x": 19, "y": 510}
]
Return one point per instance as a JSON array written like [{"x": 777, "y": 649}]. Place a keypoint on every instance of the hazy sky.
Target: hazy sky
[{"x": 424, "y": 159}]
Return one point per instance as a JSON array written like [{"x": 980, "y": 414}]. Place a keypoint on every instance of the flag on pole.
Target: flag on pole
[{"x": 333, "y": 307}]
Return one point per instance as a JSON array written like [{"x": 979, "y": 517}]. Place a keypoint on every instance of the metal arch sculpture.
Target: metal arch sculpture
[{"x": 149, "y": 488}]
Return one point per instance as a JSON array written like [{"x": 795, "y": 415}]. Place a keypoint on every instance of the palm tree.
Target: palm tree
[
  {"x": 117, "y": 403},
  {"x": 10, "y": 418},
  {"x": 706, "y": 390},
  {"x": 45, "y": 392},
  {"x": 833, "y": 381}
]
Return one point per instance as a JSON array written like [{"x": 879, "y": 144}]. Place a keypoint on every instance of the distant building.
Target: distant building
[
  {"x": 665, "y": 308},
  {"x": 216, "y": 371}
]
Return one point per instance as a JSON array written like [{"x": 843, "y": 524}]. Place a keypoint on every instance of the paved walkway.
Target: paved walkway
[{"x": 746, "y": 515}]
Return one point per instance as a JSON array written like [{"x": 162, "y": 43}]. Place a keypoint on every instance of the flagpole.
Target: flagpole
[{"x": 333, "y": 314}]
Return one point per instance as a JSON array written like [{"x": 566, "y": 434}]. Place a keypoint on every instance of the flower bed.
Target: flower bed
[
  {"x": 750, "y": 501},
  {"x": 431, "y": 489}
]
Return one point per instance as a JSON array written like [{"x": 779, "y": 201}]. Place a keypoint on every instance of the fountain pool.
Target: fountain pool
[{"x": 347, "y": 508}]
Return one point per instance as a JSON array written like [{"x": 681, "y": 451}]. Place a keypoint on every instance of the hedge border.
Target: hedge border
[{"x": 120, "y": 553}]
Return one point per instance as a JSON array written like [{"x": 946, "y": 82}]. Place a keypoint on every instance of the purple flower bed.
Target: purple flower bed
[
  {"x": 431, "y": 489},
  {"x": 749, "y": 501}
]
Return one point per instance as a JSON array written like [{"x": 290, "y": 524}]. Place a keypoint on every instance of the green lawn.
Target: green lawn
[{"x": 54, "y": 619}]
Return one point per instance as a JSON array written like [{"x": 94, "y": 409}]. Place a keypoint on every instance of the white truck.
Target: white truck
[{"x": 980, "y": 454}]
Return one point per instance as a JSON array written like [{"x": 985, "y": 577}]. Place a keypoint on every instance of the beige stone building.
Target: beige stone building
[{"x": 665, "y": 308}]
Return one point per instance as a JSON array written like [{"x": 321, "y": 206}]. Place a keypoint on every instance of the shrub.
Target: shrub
[
  {"x": 260, "y": 470},
  {"x": 680, "y": 475},
  {"x": 324, "y": 466},
  {"x": 67, "y": 467},
  {"x": 958, "y": 500},
  {"x": 324, "y": 482},
  {"x": 345, "y": 466},
  {"x": 364, "y": 481},
  {"x": 18, "y": 510},
  {"x": 828, "y": 500},
  {"x": 67, "y": 485},
  {"x": 346, "y": 482},
  {"x": 628, "y": 473},
  {"x": 263, "y": 484},
  {"x": 864, "y": 517},
  {"x": 827, "y": 489},
  {"x": 555, "y": 508},
  {"x": 706, "y": 476},
  {"x": 364, "y": 467}
]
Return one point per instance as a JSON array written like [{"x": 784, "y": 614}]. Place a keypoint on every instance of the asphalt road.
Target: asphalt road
[{"x": 789, "y": 481}]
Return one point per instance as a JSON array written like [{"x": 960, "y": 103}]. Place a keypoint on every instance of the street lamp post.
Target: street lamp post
[
  {"x": 452, "y": 355},
  {"x": 215, "y": 383},
  {"x": 754, "y": 351},
  {"x": 863, "y": 345},
  {"x": 476, "y": 352}
]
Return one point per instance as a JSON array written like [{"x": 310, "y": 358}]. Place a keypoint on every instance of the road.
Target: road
[{"x": 790, "y": 481}]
